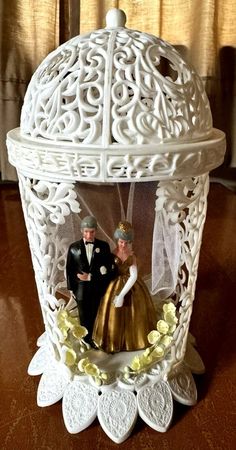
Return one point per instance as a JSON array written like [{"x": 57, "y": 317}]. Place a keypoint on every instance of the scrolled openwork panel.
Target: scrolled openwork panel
[
  {"x": 156, "y": 96},
  {"x": 116, "y": 86},
  {"x": 184, "y": 203},
  {"x": 64, "y": 100},
  {"x": 45, "y": 205}
]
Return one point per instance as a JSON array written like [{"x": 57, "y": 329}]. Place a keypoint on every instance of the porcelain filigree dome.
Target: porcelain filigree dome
[
  {"x": 116, "y": 86},
  {"x": 115, "y": 105}
]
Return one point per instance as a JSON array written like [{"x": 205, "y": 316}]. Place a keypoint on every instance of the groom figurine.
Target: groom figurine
[{"x": 89, "y": 270}]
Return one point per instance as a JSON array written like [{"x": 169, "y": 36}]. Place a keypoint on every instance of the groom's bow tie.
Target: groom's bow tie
[{"x": 89, "y": 242}]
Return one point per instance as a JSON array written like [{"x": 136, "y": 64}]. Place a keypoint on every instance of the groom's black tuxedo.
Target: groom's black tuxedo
[{"x": 89, "y": 293}]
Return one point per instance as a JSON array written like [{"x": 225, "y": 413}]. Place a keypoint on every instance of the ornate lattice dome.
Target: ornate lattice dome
[
  {"x": 115, "y": 105},
  {"x": 116, "y": 86}
]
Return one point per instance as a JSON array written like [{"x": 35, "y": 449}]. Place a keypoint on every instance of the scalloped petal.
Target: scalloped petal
[
  {"x": 79, "y": 406},
  {"x": 155, "y": 405},
  {"x": 117, "y": 414},
  {"x": 183, "y": 386},
  {"x": 191, "y": 339},
  {"x": 42, "y": 340},
  {"x": 41, "y": 360},
  {"x": 194, "y": 361},
  {"x": 52, "y": 386}
]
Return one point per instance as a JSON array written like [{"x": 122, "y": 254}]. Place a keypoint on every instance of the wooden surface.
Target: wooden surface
[{"x": 211, "y": 424}]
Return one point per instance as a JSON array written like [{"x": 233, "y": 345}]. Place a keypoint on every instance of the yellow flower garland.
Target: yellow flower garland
[{"x": 160, "y": 339}]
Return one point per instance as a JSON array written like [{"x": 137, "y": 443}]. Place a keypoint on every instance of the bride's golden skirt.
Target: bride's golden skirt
[{"x": 127, "y": 327}]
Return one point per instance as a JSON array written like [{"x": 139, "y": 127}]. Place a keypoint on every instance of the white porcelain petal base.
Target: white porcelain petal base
[
  {"x": 117, "y": 403},
  {"x": 183, "y": 386},
  {"x": 117, "y": 414},
  {"x": 155, "y": 405},
  {"x": 42, "y": 340},
  {"x": 41, "y": 361},
  {"x": 194, "y": 361},
  {"x": 52, "y": 385},
  {"x": 79, "y": 406}
]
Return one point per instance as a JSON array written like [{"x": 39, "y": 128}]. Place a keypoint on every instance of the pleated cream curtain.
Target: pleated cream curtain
[
  {"x": 201, "y": 27},
  {"x": 29, "y": 30},
  {"x": 203, "y": 31}
]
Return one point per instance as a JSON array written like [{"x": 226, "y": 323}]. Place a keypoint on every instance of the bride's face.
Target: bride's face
[{"x": 123, "y": 245}]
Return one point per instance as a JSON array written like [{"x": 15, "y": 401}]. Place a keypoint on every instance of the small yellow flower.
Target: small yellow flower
[
  {"x": 64, "y": 331},
  {"x": 170, "y": 317},
  {"x": 62, "y": 314},
  {"x": 104, "y": 376},
  {"x": 61, "y": 321},
  {"x": 162, "y": 326},
  {"x": 73, "y": 321},
  {"x": 166, "y": 340},
  {"x": 172, "y": 328},
  {"x": 146, "y": 360},
  {"x": 64, "y": 320},
  {"x": 70, "y": 357},
  {"x": 82, "y": 363},
  {"x": 169, "y": 307},
  {"x": 153, "y": 337},
  {"x": 135, "y": 365},
  {"x": 126, "y": 375},
  {"x": 158, "y": 352},
  {"x": 79, "y": 332},
  {"x": 140, "y": 362},
  {"x": 147, "y": 351},
  {"x": 98, "y": 381},
  {"x": 91, "y": 369}
]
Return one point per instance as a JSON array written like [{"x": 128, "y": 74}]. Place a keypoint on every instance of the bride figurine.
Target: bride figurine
[{"x": 126, "y": 313}]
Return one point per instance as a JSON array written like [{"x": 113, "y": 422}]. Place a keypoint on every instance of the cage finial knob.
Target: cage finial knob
[{"x": 115, "y": 18}]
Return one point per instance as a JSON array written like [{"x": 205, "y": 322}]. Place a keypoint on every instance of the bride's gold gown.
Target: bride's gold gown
[{"x": 127, "y": 327}]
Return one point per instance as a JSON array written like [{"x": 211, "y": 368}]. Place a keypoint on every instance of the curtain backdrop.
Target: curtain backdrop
[
  {"x": 29, "y": 30},
  {"x": 203, "y": 31}
]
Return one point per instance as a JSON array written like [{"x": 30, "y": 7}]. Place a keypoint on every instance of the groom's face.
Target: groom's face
[{"x": 89, "y": 234}]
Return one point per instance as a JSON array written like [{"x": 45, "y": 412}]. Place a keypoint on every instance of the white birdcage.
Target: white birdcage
[{"x": 116, "y": 106}]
